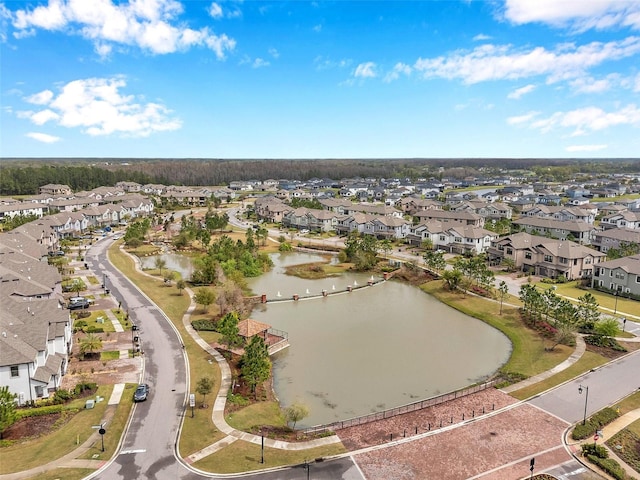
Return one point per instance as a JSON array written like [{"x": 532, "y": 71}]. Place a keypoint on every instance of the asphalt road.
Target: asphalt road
[{"x": 606, "y": 385}]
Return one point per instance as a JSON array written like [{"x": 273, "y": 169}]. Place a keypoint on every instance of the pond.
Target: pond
[{"x": 375, "y": 348}]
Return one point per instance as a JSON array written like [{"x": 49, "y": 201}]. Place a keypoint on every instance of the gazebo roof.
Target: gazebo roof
[{"x": 248, "y": 327}]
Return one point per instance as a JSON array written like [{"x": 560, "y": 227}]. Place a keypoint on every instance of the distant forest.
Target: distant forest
[{"x": 23, "y": 176}]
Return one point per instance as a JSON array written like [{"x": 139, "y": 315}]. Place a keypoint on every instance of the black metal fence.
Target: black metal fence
[{"x": 392, "y": 412}]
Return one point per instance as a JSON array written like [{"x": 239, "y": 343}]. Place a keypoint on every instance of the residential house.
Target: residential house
[
  {"x": 451, "y": 217},
  {"x": 11, "y": 210},
  {"x": 619, "y": 275},
  {"x": 605, "y": 240},
  {"x": 563, "y": 230},
  {"x": 624, "y": 219},
  {"x": 55, "y": 189},
  {"x": 545, "y": 257}
]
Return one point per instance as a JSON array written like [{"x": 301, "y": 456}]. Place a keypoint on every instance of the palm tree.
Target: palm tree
[{"x": 90, "y": 344}]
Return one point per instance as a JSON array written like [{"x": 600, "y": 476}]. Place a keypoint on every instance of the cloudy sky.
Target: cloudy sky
[{"x": 303, "y": 79}]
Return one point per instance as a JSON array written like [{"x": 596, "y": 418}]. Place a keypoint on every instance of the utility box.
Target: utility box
[{"x": 89, "y": 404}]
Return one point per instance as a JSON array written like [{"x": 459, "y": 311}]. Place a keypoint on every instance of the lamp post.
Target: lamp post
[
  {"x": 586, "y": 400},
  {"x": 615, "y": 307}
]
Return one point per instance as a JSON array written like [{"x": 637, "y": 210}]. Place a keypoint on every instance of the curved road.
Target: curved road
[{"x": 148, "y": 449}]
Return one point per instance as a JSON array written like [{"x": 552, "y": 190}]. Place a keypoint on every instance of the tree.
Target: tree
[
  {"x": 434, "y": 260},
  {"x": 204, "y": 386},
  {"x": 8, "y": 414},
  {"x": 160, "y": 264},
  {"x": 296, "y": 412},
  {"x": 228, "y": 328},
  {"x": 262, "y": 234},
  {"x": 204, "y": 297},
  {"x": 181, "y": 285},
  {"x": 169, "y": 276},
  {"x": 256, "y": 366},
  {"x": 77, "y": 286},
  {"x": 452, "y": 278},
  {"x": 90, "y": 344},
  {"x": 503, "y": 289},
  {"x": 386, "y": 247},
  {"x": 587, "y": 311}
]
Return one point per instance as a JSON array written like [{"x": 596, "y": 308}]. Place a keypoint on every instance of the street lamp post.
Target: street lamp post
[{"x": 586, "y": 400}]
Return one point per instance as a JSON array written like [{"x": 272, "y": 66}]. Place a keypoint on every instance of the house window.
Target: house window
[
  {"x": 15, "y": 371},
  {"x": 39, "y": 391},
  {"x": 509, "y": 251},
  {"x": 563, "y": 260},
  {"x": 527, "y": 255},
  {"x": 587, "y": 261},
  {"x": 637, "y": 278},
  {"x": 548, "y": 258}
]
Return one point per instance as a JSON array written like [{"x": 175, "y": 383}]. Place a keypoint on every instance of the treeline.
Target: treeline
[
  {"x": 15, "y": 180},
  {"x": 24, "y": 176}
]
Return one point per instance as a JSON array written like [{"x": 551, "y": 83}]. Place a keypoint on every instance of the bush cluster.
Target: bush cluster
[
  {"x": 610, "y": 467},
  {"x": 595, "y": 423},
  {"x": 204, "y": 325},
  {"x": 604, "y": 341}
]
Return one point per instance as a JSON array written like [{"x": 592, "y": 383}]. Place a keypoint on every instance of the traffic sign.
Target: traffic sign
[{"x": 595, "y": 437}]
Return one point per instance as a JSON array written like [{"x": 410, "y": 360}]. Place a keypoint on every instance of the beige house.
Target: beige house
[{"x": 546, "y": 257}]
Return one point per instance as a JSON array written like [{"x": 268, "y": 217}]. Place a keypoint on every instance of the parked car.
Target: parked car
[
  {"x": 141, "y": 393},
  {"x": 78, "y": 303}
]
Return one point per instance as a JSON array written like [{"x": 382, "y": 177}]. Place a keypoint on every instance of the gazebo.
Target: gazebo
[{"x": 249, "y": 328}]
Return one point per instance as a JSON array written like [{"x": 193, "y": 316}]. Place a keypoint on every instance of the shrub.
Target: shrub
[
  {"x": 235, "y": 399},
  {"x": 83, "y": 314},
  {"x": 597, "y": 421},
  {"x": 85, "y": 386},
  {"x": 605, "y": 342},
  {"x": 39, "y": 411},
  {"x": 62, "y": 396},
  {"x": 204, "y": 325},
  {"x": 594, "y": 449},
  {"x": 610, "y": 467},
  {"x": 93, "y": 329}
]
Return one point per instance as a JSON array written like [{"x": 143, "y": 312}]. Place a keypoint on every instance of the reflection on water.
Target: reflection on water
[
  {"x": 375, "y": 348},
  {"x": 178, "y": 263}
]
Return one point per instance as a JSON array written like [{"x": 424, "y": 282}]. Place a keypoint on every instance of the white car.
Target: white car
[{"x": 304, "y": 231}]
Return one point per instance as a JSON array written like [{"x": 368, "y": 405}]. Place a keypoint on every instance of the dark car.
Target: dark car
[{"x": 141, "y": 393}]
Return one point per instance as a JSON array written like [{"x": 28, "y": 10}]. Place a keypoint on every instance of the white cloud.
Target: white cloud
[
  {"x": 43, "y": 137},
  {"x": 317, "y": 28},
  {"x": 636, "y": 86},
  {"x": 365, "y": 70},
  {"x": 526, "y": 118},
  {"x": 215, "y": 10},
  {"x": 41, "y": 98},
  {"x": 260, "y": 62},
  {"x": 592, "y": 85},
  {"x": 519, "y": 92},
  {"x": 274, "y": 53},
  {"x": 585, "y": 148},
  {"x": 481, "y": 37},
  {"x": 579, "y": 15},
  {"x": 148, "y": 24},
  {"x": 398, "y": 69},
  {"x": 323, "y": 63},
  {"x": 500, "y": 62},
  {"x": 589, "y": 119},
  {"x": 96, "y": 106}
]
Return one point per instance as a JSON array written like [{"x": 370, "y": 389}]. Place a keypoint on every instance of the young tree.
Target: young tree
[
  {"x": 204, "y": 297},
  {"x": 78, "y": 286},
  {"x": 434, "y": 260},
  {"x": 181, "y": 285},
  {"x": 204, "y": 388},
  {"x": 169, "y": 276},
  {"x": 503, "y": 289},
  {"x": 607, "y": 327},
  {"x": 8, "y": 414},
  {"x": 90, "y": 344},
  {"x": 296, "y": 412},
  {"x": 386, "y": 246},
  {"x": 256, "y": 366},
  {"x": 587, "y": 311},
  {"x": 228, "y": 328},
  {"x": 160, "y": 264},
  {"x": 452, "y": 278}
]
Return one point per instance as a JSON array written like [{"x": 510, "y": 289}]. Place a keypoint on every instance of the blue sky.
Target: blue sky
[{"x": 301, "y": 79}]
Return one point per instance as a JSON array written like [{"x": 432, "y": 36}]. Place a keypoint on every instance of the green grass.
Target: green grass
[
  {"x": 588, "y": 361},
  {"x": 109, "y": 355},
  {"x": 629, "y": 403},
  {"x": 93, "y": 280},
  {"x": 60, "y": 473},
  {"x": 92, "y": 321},
  {"x": 39, "y": 451},
  {"x": 262, "y": 413},
  {"x": 243, "y": 456},
  {"x": 635, "y": 427},
  {"x": 528, "y": 354}
]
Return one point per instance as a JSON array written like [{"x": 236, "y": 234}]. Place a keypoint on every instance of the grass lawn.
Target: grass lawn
[
  {"x": 110, "y": 355},
  {"x": 66, "y": 473},
  {"x": 44, "y": 449},
  {"x": 528, "y": 354},
  {"x": 243, "y": 456},
  {"x": 143, "y": 250},
  {"x": 93, "y": 280},
  {"x": 635, "y": 427},
  {"x": 572, "y": 292},
  {"x": 201, "y": 432},
  {"x": 588, "y": 361},
  {"x": 262, "y": 413},
  {"x": 92, "y": 321},
  {"x": 629, "y": 403}
]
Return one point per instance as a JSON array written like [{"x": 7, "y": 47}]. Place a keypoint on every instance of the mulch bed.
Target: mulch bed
[{"x": 33, "y": 427}]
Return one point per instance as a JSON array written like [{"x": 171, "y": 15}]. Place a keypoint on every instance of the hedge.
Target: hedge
[
  {"x": 204, "y": 325},
  {"x": 38, "y": 412},
  {"x": 594, "y": 423},
  {"x": 610, "y": 467},
  {"x": 604, "y": 341}
]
